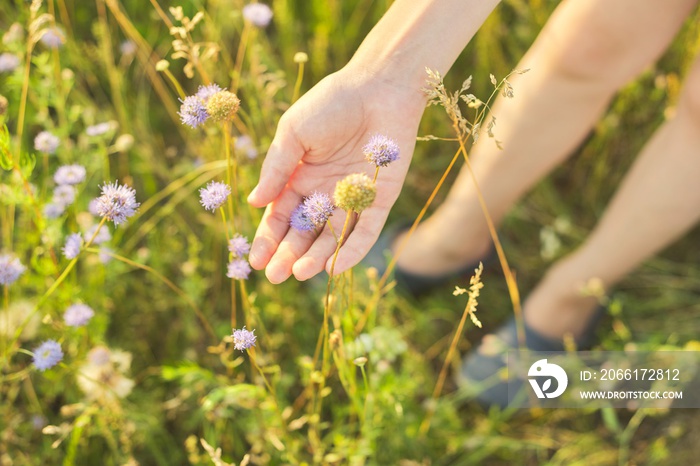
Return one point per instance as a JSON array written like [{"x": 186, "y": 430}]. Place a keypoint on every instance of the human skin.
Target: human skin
[
  {"x": 584, "y": 54},
  {"x": 319, "y": 139}
]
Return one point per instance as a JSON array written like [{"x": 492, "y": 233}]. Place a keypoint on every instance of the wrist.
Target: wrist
[{"x": 386, "y": 75}]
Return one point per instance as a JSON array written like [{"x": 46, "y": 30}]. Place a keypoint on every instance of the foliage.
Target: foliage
[{"x": 153, "y": 377}]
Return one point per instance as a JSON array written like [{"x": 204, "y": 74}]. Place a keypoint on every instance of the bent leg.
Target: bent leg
[
  {"x": 656, "y": 203},
  {"x": 586, "y": 51}
]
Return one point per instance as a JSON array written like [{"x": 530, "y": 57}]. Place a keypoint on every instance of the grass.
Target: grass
[{"x": 190, "y": 384}]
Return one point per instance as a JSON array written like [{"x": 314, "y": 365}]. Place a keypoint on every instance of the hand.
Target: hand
[{"x": 319, "y": 141}]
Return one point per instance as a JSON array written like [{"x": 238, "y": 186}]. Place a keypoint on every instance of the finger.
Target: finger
[
  {"x": 314, "y": 261},
  {"x": 360, "y": 241},
  {"x": 272, "y": 229},
  {"x": 293, "y": 246},
  {"x": 280, "y": 162}
]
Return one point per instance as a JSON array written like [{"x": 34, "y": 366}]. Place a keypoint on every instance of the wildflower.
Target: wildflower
[
  {"x": 299, "y": 221},
  {"x": 117, "y": 203},
  {"x": 8, "y": 62},
  {"x": 380, "y": 150},
  {"x": 355, "y": 192},
  {"x": 258, "y": 14},
  {"x": 92, "y": 207},
  {"x": 103, "y": 235},
  {"x": 53, "y": 38},
  {"x": 238, "y": 269},
  {"x": 103, "y": 376},
  {"x": 243, "y": 339},
  {"x": 239, "y": 245},
  {"x": 204, "y": 92},
  {"x": 69, "y": 174},
  {"x": 318, "y": 208},
  {"x": 72, "y": 247},
  {"x": 46, "y": 142},
  {"x": 38, "y": 422},
  {"x": 78, "y": 315},
  {"x": 64, "y": 195},
  {"x": 53, "y": 210},
  {"x": 10, "y": 269},
  {"x": 128, "y": 48},
  {"x": 47, "y": 355},
  {"x": 245, "y": 145},
  {"x": 193, "y": 112},
  {"x": 222, "y": 105},
  {"x": 99, "y": 129},
  {"x": 214, "y": 195},
  {"x": 104, "y": 255},
  {"x": 300, "y": 57}
]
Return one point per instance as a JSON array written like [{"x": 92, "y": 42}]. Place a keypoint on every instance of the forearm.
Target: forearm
[{"x": 415, "y": 34}]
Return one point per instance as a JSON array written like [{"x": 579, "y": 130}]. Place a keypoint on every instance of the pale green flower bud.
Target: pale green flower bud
[
  {"x": 222, "y": 106},
  {"x": 355, "y": 192}
]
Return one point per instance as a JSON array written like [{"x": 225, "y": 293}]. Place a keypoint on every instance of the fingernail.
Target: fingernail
[{"x": 253, "y": 194}]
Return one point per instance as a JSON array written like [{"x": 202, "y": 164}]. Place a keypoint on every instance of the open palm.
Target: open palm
[{"x": 318, "y": 142}]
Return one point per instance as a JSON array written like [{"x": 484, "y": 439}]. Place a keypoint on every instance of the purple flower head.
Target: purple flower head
[
  {"x": 78, "y": 315},
  {"x": 53, "y": 38},
  {"x": 239, "y": 245},
  {"x": 193, "y": 112},
  {"x": 8, "y": 62},
  {"x": 214, "y": 195},
  {"x": 64, "y": 195},
  {"x": 46, "y": 142},
  {"x": 299, "y": 221},
  {"x": 72, "y": 247},
  {"x": 117, "y": 202},
  {"x": 245, "y": 145},
  {"x": 92, "y": 207},
  {"x": 10, "y": 269},
  {"x": 98, "y": 129},
  {"x": 99, "y": 356},
  {"x": 314, "y": 211},
  {"x": 104, "y": 255},
  {"x": 128, "y": 47},
  {"x": 258, "y": 14},
  {"x": 102, "y": 236},
  {"x": 70, "y": 174},
  {"x": 204, "y": 92},
  {"x": 318, "y": 208},
  {"x": 38, "y": 422},
  {"x": 238, "y": 269},
  {"x": 380, "y": 150},
  {"x": 243, "y": 339},
  {"x": 47, "y": 355},
  {"x": 53, "y": 210}
]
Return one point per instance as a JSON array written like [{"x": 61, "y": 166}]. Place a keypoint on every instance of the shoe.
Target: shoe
[
  {"x": 414, "y": 284},
  {"x": 484, "y": 374}
]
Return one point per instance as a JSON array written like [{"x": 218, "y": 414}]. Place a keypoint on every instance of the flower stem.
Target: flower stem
[
  {"x": 232, "y": 281},
  {"x": 402, "y": 245},
  {"x": 240, "y": 55},
  {"x": 297, "y": 85},
  {"x": 326, "y": 311}
]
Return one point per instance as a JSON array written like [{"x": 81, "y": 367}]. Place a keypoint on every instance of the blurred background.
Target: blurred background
[{"x": 106, "y": 70}]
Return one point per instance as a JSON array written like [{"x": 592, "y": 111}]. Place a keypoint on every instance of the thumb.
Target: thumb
[{"x": 281, "y": 160}]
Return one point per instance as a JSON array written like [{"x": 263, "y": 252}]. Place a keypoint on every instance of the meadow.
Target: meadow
[{"x": 149, "y": 371}]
